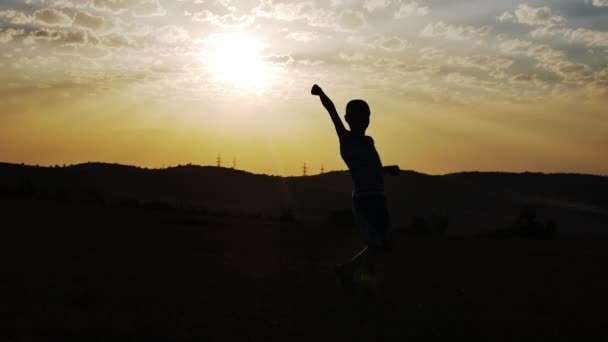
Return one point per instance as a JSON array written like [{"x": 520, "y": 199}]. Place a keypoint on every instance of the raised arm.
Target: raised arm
[{"x": 331, "y": 109}]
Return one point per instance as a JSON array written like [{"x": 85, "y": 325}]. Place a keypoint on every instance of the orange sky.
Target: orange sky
[{"x": 452, "y": 86}]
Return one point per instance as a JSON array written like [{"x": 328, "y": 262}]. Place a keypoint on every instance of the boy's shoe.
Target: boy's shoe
[{"x": 366, "y": 284}]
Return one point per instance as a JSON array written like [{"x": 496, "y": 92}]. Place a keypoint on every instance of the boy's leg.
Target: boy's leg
[
  {"x": 359, "y": 257},
  {"x": 350, "y": 267}
]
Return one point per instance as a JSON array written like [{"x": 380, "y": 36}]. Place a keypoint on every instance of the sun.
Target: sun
[{"x": 236, "y": 61}]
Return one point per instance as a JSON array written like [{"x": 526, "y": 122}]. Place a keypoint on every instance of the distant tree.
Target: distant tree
[
  {"x": 440, "y": 223},
  {"x": 287, "y": 215},
  {"x": 529, "y": 226},
  {"x": 99, "y": 199},
  {"x": 419, "y": 225},
  {"x": 129, "y": 203},
  {"x": 27, "y": 187},
  {"x": 256, "y": 215},
  {"x": 157, "y": 206},
  {"x": 550, "y": 230},
  {"x": 340, "y": 218}
]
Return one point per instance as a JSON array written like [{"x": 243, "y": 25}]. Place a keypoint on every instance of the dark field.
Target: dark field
[{"x": 74, "y": 272}]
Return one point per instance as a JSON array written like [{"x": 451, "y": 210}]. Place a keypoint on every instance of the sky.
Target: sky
[{"x": 453, "y": 85}]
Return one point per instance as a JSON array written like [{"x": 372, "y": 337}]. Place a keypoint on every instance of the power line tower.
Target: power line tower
[
  {"x": 304, "y": 170},
  {"x": 234, "y": 163},
  {"x": 322, "y": 169},
  {"x": 219, "y": 160}
]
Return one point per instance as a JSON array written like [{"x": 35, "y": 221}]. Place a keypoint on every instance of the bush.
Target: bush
[
  {"x": 129, "y": 203},
  {"x": 527, "y": 225},
  {"x": 440, "y": 223},
  {"x": 157, "y": 206},
  {"x": 287, "y": 215},
  {"x": 420, "y": 226},
  {"x": 27, "y": 188},
  {"x": 341, "y": 218}
]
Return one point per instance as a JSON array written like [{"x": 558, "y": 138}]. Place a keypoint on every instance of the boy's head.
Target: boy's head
[{"x": 357, "y": 115}]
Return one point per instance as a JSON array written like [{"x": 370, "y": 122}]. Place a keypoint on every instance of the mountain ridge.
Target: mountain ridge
[{"x": 474, "y": 201}]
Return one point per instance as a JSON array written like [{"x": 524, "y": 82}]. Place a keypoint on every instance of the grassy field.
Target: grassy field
[{"x": 75, "y": 272}]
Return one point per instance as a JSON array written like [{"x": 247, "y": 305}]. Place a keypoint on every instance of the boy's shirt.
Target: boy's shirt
[{"x": 363, "y": 161}]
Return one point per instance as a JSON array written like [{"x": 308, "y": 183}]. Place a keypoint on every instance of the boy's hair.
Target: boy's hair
[{"x": 357, "y": 114}]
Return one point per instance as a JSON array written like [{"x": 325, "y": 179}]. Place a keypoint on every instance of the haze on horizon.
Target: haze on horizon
[{"x": 453, "y": 85}]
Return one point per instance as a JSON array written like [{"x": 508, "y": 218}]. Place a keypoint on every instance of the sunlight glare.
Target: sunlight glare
[{"x": 236, "y": 61}]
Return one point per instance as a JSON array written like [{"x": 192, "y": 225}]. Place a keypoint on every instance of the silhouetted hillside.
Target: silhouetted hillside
[{"x": 471, "y": 202}]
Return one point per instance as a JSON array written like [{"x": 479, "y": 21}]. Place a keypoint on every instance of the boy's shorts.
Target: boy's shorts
[{"x": 371, "y": 215}]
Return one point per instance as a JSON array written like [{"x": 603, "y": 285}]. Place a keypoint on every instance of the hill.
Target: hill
[{"x": 472, "y": 202}]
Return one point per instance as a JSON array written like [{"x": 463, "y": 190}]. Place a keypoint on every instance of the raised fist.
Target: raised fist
[{"x": 316, "y": 90}]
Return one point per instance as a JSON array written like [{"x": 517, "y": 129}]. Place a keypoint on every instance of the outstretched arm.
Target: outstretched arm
[
  {"x": 331, "y": 109},
  {"x": 393, "y": 169}
]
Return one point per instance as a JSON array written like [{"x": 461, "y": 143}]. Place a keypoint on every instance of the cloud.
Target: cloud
[
  {"x": 388, "y": 43},
  {"x": 600, "y": 3},
  {"x": 139, "y": 8},
  {"x": 527, "y": 80},
  {"x": 303, "y": 36},
  {"x": 350, "y": 20},
  {"x": 52, "y": 17},
  {"x": 355, "y": 57},
  {"x": 16, "y": 17},
  {"x": 393, "y": 44},
  {"x": 346, "y": 21},
  {"x": 473, "y": 82},
  {"x": 589, "y": 37},
  {"x": 310, "y": 62},
  {"x": 372, "y": 5},
  {"x": 411, "y": 9},
  {"x": 482, "y": 62},
  {"x": 289, "y": 11},
  {"x": 37, "y": 62},
  {"x": 540, "y": 51},
  {"x": 172, "y": 34},
  {"x": 495, "y": 64},
  {"x": 405, "y": 68},
  {"x": 454, "y": 32},
  {"x": 547, "y": 58},
  {"x": 430, "y": 52},
  {"x": 88, "y": 51},
  {"x": 78, "y": 37},
  {"x": 599, "y": 85},
  {"x": 89, "y": 21},
  {"x": 113, "y": 5},
  {"x": 9, "y": 34},
  {"x": 69, "y": 40},
  {"x": 533, "y": 16},
  {"x": 226, "y": 21},
  {"x": 279, "y": 59},
  {"x": 149, "y": 8},
  {"x": 117, "y": 40}
]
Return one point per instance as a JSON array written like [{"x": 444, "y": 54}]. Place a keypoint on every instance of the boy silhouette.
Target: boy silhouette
[{"x": 366, "y": 170}]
